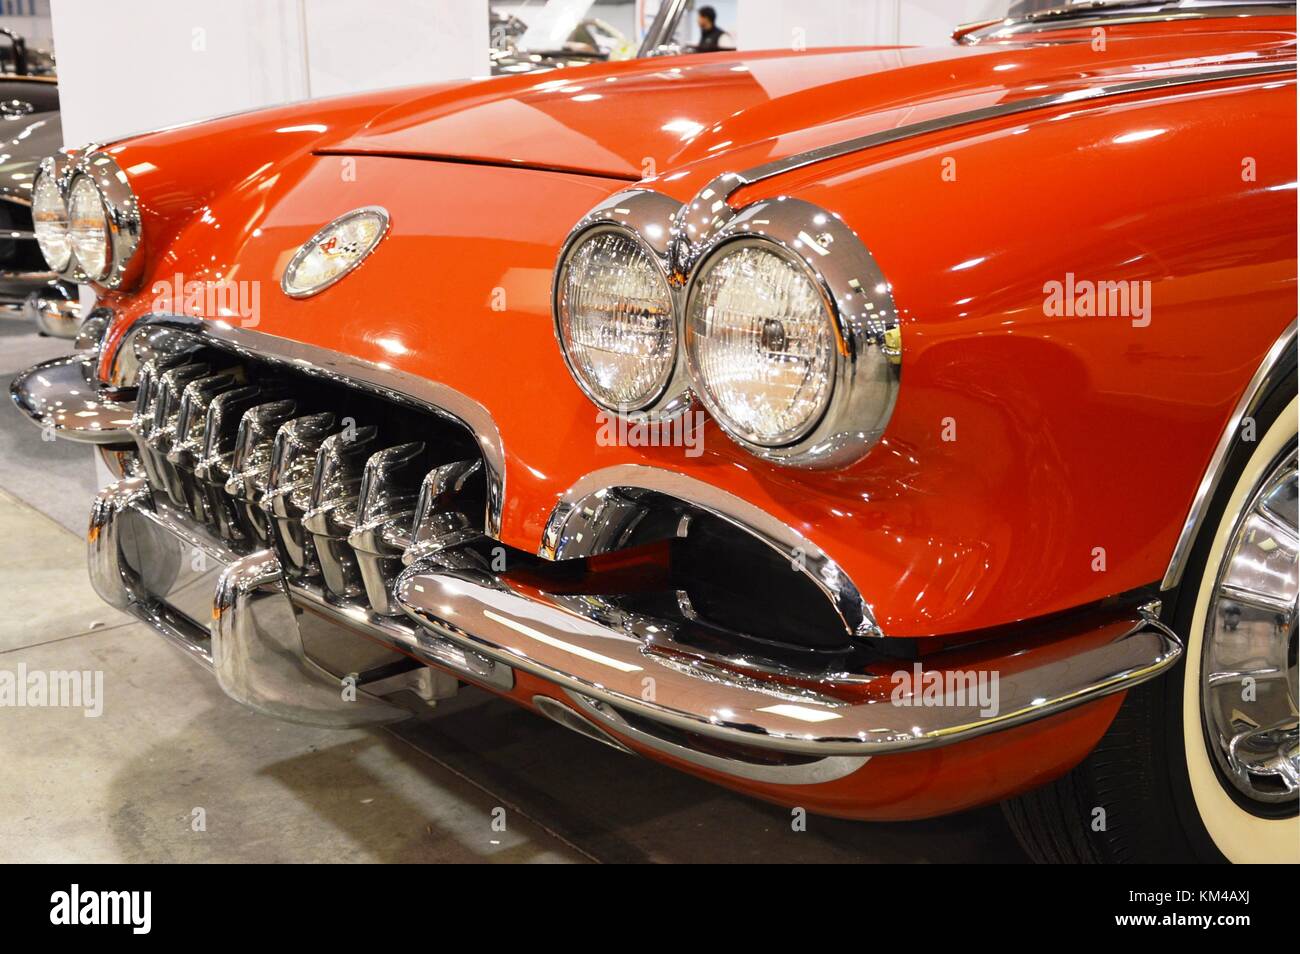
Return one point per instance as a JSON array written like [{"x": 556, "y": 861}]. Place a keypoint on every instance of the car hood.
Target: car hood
[{"x": 638, "y": 119}]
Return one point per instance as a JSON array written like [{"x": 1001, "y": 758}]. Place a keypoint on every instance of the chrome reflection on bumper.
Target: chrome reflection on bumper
[
  {"x": 63, "y": 394},
  {"x": 55, "y": 310},
  {"x": 236, "y": 616},
  {"x": 619, "y": 676},
  {"x": 139, "y": 565},
  {"x": 259, "y": 658}
]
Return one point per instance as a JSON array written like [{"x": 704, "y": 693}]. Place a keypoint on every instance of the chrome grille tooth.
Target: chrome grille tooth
[
  {"x": 192, "y": 418},
  {"x": 332, "y": 510},
  {"x": 288, "y": 490},
  {"x": 340, "y": 464},
  {"x": 145, "y": 395},
  {"x": 148, "y": 390},
  {"x": 162, "y": 432},
  {"x": 385, "y": 509},
  {"x": 213, "y": 468},
  {"x": 250, "y": 464},
  {"x": 251, "y": 460},
  {"x": 449, "y": 511},
  {"x": 221, "y": 429},
  {"x": 187, "y": 441},
  {"x": 142, "y": 421},
  {"x": 167, "y": 402}
]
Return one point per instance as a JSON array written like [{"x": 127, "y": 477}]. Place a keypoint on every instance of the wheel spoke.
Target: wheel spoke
[
  {"x": 1280, "y": 501},
  {"x": 1234, "y": 677},
  {"x": 1247, "y": 663},
  {"x": 1257, "y": 598},
  {"x": 1277, "y": 523}
]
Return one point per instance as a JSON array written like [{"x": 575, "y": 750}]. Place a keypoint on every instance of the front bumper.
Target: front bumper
[
  {"x": 63, "y": 396},
  {"x": 233, "y": 615},
  {"x": 236, "y": 614},
  {"x": 54, "y": 307},
  {"x": 250, "y": 615},
  {"x": 607, "y": 670}
]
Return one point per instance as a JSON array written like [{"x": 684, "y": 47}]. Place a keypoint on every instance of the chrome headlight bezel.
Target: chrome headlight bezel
[
  {"x": 646, "y": 218},
  {"x": 867, "y": 353},
  {"x": 866, "y": 356},
  {"x": 121, "y": 213}
]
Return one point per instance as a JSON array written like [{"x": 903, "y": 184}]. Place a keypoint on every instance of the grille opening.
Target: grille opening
[
  {"x": 333, "y": 475},
  {"x": 444, "y": 440},
  {"x": 249, "y": 447},
  {"x": 707, "y": 585},
  {"x": 741, "y": 584}
]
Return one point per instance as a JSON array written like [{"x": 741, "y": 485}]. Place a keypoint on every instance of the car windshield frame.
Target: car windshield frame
[{"x": 1022, "y": 18}]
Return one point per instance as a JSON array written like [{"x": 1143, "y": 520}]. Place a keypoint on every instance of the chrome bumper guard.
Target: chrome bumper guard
[
  {"x": 55, "y": 310},
  {"x": 656, "y": 695},
  {"x": 234, "y": 614},
  {"x": 63, "y": 395}
]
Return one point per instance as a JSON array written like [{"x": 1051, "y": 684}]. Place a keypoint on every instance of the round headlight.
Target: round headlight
[
  {"x": 50, "y": 222},
  {"x": 760, "y": 341},
  {"x": 88, "y": 228},
  {"x": 615, "y": 320}
]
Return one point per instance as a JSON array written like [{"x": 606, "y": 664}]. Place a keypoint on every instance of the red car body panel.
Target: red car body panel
[
  {"x": 1079, "y": 441},
  {"x": 923, "y": 784}
]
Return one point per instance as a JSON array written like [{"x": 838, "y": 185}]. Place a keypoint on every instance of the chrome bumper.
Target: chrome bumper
[
  {"x": 64, "y": 396},
  {"x": 620, "y": 674},
  {"x": 234, "y": 615},
  {"x": 17, "y": 286},
  {"x": 55, "y": 310},
  {"x": 624, "y": 681}
]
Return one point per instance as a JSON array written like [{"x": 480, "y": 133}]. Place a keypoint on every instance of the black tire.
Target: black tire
[{"x": 1138, "y": 771}]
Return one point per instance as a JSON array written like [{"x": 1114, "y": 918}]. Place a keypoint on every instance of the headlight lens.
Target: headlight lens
[
  {"x": 50, "y": 222},
  {"x": 616, "y": 322},
  {"x": 88, "y": 228},
  {"x": 760, "y": 341}
]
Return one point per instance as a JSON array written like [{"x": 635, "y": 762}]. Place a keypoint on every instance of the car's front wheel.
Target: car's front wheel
[{"x": 1202, "y": 763}]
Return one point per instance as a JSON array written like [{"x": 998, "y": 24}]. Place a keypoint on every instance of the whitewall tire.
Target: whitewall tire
[
  {"x": 1238, "y": 823},
  {"x": 1194, "y": 767}
]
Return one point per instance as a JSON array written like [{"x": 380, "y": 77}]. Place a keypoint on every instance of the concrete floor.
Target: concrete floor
[{"x": 125, "y": 786}]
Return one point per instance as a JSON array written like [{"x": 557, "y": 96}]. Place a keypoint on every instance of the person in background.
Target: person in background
[{"x": 711, "y": 35}]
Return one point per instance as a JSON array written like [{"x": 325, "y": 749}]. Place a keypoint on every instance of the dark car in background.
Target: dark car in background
[{"x": 29, "y": 131}]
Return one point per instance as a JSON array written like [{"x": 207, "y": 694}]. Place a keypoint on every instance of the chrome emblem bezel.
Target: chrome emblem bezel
[{"x": 323, "y": 236}]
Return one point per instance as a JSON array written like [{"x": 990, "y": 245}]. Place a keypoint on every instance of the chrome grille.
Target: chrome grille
[{"x": 345, "y": 484}]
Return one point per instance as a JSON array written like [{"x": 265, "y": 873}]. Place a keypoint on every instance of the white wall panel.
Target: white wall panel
[
  {"x": 130, "y": 67},
  {"x": 125, "y": 68},
  {"x": 784, "y": 24},
  {"x": 355, "y": 45}
]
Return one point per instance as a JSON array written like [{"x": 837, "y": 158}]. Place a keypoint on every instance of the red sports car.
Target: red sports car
[{"x": 882, "y": 432}]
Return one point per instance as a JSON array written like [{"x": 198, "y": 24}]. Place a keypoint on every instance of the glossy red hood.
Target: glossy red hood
[{"x": 640, "y": 118}]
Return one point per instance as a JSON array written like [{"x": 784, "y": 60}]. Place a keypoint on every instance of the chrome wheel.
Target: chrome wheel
[{"x": 1248, "y": 663}]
